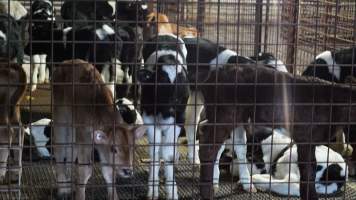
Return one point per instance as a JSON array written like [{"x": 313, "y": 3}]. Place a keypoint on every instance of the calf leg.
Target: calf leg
[
  {"x": 216, "y": 175},
  {"x": 84, "y": 168},
  {"x": 17, "y": 152},
  {"x": 307, "y": 167},
  {"x": 36, "y": 60},
  {"x": 109, "y": 176},
  {"x": 168, "y": 153},
  {"x": 154, "y": 135},
  {"x": 64, "y": 155},
  {"x": 4, "y": 154},
  {"x": 240, "y": 147},
  {"x": 42, "y": 68},
  {"x": 192, "y": 118},
  {"x": 209, "y": 145}
]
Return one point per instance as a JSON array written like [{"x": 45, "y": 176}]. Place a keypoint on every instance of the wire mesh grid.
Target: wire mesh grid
[{"x": 294, "y": 32}]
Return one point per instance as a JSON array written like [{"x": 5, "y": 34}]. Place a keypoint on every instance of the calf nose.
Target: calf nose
[{"x": 128, "y": 172}]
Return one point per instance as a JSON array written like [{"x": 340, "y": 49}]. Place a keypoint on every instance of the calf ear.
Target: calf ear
[
  {"x": 139, "y": 131},
  {"x": 144, "y": 75},
  {"x": 99, "y": 137}
]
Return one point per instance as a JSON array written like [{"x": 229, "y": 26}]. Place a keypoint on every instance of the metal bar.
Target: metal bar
[{"x": 258, "y": 26}]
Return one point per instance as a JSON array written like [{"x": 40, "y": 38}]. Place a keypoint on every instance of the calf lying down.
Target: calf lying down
[
  {"x": 311, "y": 109},
  {"x": 84, "y": 115},
  {"x": 282, "y": 176}
]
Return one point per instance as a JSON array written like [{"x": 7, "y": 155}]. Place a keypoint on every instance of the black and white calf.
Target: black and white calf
[
  {"x": 42, "y": 33},
  {"x": 38, "y": 134},
  {"x": 85, "y": 12},
  {"x": 10, "y": 39},
  {"x": 99, "y": 45},
  {"x": 270, "y": 60},
  {"x": 165, "y": 92},
  {"x": 336, "y": 66},
  {"x": 281, "y": 173},
  {"x": 128, "y": 111},
  {"x": 333, "y": 66},
  {"x": 131, "y": 16},
  {"x": 254, "y": 152}
]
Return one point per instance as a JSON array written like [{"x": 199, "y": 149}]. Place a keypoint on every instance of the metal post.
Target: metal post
[
  {"x": 258, "y": 26},
  {"x": 201, "y": 16},
  {"x": 291, "y": 7}
]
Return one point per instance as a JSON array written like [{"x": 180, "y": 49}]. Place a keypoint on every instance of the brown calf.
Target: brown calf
[
  {"x": 311, "y": 109},
  {"x": 85, "y": 117},
  {"x": 158, "y": 23},
  {"x": 12, "y": 89}
]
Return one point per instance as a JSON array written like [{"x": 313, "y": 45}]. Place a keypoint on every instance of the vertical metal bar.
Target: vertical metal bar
[
  {"x": 150, "y": 5},
  {"x": 326, "y": 20},
  {"x": 201, "y": 16},
  {"x": 266, "y": 25},
  {"x": 292, "y": 6},
  {"x": 258, "y": 26}
]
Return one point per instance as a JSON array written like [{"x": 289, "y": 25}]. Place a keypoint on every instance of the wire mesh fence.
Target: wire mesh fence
[{"x": 185, "y": 99}]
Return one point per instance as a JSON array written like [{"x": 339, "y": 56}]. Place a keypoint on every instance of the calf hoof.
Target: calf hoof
[
  {"x": 2, "y": 179},
  {"x": 249, "y": 188},
  {"x": 14, "y": 177},
  {"x": 194, "y": 160},
  {"x": 348, "y": 150},
  {"x": 216, "y": 188}
]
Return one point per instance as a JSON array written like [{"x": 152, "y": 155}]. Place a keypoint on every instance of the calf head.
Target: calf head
[
  {"x": 331, "y": 172},
  {"x": 133, "y": 11},
  {"x": 156, "y": 23},
  {"x": 270, "y": 60},
  {"x": 346, "y": 56},
  {"x": 167, "y": 70},
  {"x": 118, "y": 146},
  {"x": 42, "y": 10},
  {"x": 87, "y": 9}
]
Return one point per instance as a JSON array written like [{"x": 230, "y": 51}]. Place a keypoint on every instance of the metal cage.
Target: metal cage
[{"x": 294, "y": 31}]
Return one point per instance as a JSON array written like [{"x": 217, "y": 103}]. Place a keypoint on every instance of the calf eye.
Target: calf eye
[{"x": 113, "y": 149}]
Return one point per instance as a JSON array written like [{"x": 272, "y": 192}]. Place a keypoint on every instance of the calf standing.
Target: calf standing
[
  {"x": 85, "y": 117},
  {"x": 12, "y": 89},
  {"x": 42, "y": 34},
  {"x": 165, "y": 91},
  {"x": 209, "y": 56},
  {"x": 310, "y": 108},
  {"x": 130, "y": 18}
]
